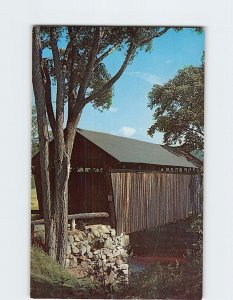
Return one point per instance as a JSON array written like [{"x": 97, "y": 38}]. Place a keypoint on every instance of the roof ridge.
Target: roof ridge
[{"x": 119, "y": 136}]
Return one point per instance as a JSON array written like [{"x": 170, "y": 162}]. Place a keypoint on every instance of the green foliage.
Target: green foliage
[
  {"x": 174, "y": 280},
  {"x": 179, "y": 108},
  {"x": 75, "y": 44},
  {"x": 50, "y": 280},
  {"x": 167, "y": 281}
]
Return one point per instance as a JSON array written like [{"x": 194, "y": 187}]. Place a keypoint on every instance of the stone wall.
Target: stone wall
[{"x": 97, "y": 252}]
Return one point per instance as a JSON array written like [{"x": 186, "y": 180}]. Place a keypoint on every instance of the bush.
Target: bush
[
  {"x": 174, "y": 280},
  {"x": 161, "y": 281}
]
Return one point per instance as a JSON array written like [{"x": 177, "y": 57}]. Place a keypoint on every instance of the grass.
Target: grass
[
  {"x": 34, "y": 204},
  {"x": 51, "y": 280},
  {"x": 34, "y": 201}
]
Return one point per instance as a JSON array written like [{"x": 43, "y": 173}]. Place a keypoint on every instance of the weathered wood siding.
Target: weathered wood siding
[{"x": 146, "y": 200}]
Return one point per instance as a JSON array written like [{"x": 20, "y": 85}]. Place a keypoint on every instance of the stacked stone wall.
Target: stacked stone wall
[{"x": 97, "y": 252}]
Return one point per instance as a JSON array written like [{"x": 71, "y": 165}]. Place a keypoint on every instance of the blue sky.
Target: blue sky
[{"x": 129, "y": 115}]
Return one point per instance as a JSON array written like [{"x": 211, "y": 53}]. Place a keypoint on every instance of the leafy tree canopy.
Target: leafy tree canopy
[
  {"x": 179, "y": 108},
  {"x": 74, "y": 47}
]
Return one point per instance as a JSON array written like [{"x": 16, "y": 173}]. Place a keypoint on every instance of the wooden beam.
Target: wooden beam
[
  {"x": 89, "y": 215},
  {"x": 35, "y": 211},
  {"x": 77, "y": 216}
]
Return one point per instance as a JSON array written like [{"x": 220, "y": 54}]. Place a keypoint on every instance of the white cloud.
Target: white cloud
[
  {"x": 169, "y": 61},
  {"x": 127, "y": 131},
  {"x": 148, "y": 77},
  {"x": 113, "y": 109}
]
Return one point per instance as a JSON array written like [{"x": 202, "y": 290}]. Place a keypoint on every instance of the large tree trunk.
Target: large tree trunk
[
  {"x": 61, "y": 199},
  {"x": 63, "y": 151},
  {"x": 50, "y": 225}
]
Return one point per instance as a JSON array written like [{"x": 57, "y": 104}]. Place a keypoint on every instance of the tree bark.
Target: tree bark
[
  {"x": 61, "y": 197},
  {"x": 50, "y": 225}
]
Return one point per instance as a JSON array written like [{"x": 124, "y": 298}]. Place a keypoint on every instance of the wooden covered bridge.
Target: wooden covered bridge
[{"x": 140, "y": 185}]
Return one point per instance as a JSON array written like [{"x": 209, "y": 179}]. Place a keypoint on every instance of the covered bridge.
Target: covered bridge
[{"x": 141, "y": 185}]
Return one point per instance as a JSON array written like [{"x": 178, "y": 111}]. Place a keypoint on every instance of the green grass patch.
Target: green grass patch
[
  {"x": 51, "y": 280},
  {"x": 34, "y": 200}
]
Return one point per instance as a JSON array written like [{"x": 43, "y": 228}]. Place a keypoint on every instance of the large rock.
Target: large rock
[
  {"x": 67, "y": 263},
  {"x": 111, "y": 278},
  {"x": 76, "y": 238},
  {"x": 73, "y": 262},
  {"x": 70, "y": 239},
  {"x": 108, "y": 243},
  {"x": 68, "y": 251},
  {"x": 75, "y": 249},
  {"x": 90, "y": 237},
  {"x": 95, "y": 232},
  {"x": 83, "y": 249},
  {"x": 125, "y": 241}
]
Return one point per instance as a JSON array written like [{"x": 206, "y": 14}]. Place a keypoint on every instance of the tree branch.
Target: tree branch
[
  {"x": 59, "y": 132},
  {"x": 71, "y": 85},
  {"x": 48, "y": 98},
  {"x": 74, "y": 113},
  {"x": 110, "y": 83},
  {"x": 158, "y": 34},
  {"x": 87, "y": 75},
  {"x": 59, "y": 76},
  {"x": 105, "y": 54}
]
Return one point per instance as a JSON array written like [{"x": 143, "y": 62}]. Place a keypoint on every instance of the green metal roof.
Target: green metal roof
[{"x": 135, "y": 151}]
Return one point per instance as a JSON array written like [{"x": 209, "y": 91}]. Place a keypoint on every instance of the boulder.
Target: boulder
[
  {"x": 113, "y": 232},
  {"x": 70, "y": 239},
  {"x": 73, "y": 262},
  {"x": 119, "y": 262},
  {"x": 90, "y": 237},
  {"x": 68, "y": 251},
  {"x": 108, "y": 243},
  {"x": 75, "y": 249},
  {"x": 95, "y": 232},
  {"x": 67, "y": 263},
  {"x": 124, "y": 266},
  {"x": 76, "y": 238},
  {"x": 83, "y": 249},
  {"x": 105, "y": 229},
  {"x": 110, "y": 278},
  {"x": 125, "y": 241}
]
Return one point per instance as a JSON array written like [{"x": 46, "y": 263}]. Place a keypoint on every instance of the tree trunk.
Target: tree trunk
[
  {"x": 61, "y": 199},
  {"x": 63, "y": 151},
  {"x": 39, "y": 93}
]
